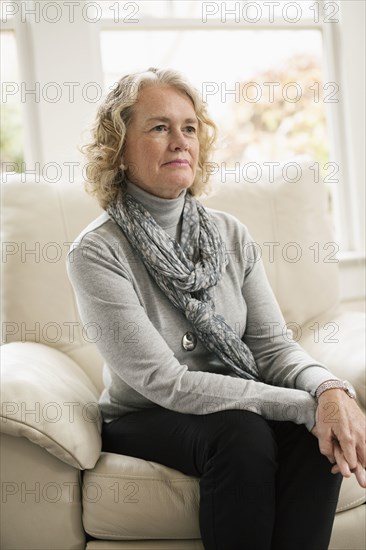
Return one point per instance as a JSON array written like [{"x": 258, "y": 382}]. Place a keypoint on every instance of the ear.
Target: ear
[{"x": 130, "y": 169}]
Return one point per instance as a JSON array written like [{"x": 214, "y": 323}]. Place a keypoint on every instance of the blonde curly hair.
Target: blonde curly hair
[{"x": 104, "y": 170}]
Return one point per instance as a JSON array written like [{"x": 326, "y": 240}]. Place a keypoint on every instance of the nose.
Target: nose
[{"x": 178, "y": 141}]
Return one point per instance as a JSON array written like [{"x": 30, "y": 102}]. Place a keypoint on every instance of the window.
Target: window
[
  {"x": 11, "y": 143},
  {"x": 258, "y": 65},
  {"x": 268, "y": 98}
]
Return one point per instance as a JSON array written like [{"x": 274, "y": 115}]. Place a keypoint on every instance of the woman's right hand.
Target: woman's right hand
[{"x": 341, "y": 430}]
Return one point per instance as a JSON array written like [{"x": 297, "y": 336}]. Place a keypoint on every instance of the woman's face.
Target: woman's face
[{"x": 161, "y": 148}]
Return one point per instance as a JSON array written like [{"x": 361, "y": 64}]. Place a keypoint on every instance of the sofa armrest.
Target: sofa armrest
[
  {"x": 47, "y": 398},
  {"x": 41, "y": 499},
  {"x": 337, "y": 339}
]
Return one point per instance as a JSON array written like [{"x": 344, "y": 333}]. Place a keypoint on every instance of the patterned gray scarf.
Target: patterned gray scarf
[{"x": 185, "y": 272}]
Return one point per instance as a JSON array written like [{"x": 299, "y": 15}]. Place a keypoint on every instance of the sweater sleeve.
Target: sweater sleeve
[
  {"x": 280, "y": 359},
  {"x": 106, "y": 296}
]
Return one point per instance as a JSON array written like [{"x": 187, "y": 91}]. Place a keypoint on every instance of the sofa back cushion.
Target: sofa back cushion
[
  {"x": 287, "y": 214},
  {"x": 39, "y": 222}
]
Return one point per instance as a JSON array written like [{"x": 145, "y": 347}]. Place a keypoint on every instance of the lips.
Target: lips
[{"x": 178, "y": 162}]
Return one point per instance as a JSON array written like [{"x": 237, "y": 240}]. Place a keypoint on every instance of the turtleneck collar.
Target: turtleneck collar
[{"x": 166, "y": 212}]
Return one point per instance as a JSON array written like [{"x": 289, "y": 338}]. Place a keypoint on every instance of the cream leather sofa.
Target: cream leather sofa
[{"x": 58, "y": 490}]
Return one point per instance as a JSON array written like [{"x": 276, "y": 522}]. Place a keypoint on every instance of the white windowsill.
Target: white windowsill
[
  {"x": 350, "y": 257},
  {"x": 352, "y": 270}
]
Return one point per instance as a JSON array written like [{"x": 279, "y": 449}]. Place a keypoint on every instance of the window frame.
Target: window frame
[{"x": 32, "y": 138}]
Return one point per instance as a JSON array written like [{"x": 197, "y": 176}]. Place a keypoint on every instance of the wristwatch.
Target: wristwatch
[{"x": 332, "y": 384}]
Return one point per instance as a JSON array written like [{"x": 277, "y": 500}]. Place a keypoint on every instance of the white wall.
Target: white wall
[{"x": 353, "y": 63}]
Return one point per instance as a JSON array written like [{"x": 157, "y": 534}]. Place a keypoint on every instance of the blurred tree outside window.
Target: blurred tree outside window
[
  {"x": 11, "y": 125},
  {"x": 288, "y": 120}
]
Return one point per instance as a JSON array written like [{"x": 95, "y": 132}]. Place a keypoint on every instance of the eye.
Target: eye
[
  {"x": 191, "y": 129},
  {"x": 159, "y": 128}
]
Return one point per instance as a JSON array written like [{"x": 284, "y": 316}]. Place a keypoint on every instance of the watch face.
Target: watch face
[{"x": 350, "y": 389}]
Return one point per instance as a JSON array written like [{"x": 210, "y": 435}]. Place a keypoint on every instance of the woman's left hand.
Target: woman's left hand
[{"x": 341, "y": 430}]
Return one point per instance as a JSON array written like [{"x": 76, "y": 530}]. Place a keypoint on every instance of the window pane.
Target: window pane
[
  {"x": 263, "y": 88},
  {"x": 126, "y": 11},
  {"x": 11, "y": 143}
]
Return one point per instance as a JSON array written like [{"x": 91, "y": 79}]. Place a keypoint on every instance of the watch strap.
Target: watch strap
[{"x": 333, "y": 384}]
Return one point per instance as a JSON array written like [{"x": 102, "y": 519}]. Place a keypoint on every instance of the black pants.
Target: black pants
[{"x": 263, "y": 484}]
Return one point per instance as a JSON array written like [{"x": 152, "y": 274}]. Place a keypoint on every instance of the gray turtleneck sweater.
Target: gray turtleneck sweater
[{"x": 141, "y": 332}]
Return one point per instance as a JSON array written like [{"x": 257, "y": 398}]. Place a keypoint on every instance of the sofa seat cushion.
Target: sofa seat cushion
[
  {"x": 126, "y": 498},
  {"x": 147, "y": 545},
  {"x": 130, "y": 498}
]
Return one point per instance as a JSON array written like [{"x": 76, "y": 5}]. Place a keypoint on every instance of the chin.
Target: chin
[
  {"x": 183, "y": 187},
  {"x": 177, "y": 182},
  {"x": 184, "y": 183}
]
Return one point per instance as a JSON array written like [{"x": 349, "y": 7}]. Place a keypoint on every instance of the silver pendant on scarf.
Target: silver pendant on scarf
[{"x": 189, "y": 341}]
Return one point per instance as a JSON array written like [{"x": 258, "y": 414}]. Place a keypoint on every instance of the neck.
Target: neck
[{"x": 166, "y": 212}]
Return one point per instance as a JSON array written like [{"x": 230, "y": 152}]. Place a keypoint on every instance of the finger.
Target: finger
[
  {"x": 361, "y": 453},
  {"x": 335, "y": 469},
  {"x": 326, "y": 447},
  {"x": 360, "y": 475},
  {"x": 341, "y": 461},
  {"x": 349, "y": 452},
  {"x": 331, "y": 458}
]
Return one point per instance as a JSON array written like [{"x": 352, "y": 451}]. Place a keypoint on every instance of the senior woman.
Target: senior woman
[{"x": 194, "y": 379}]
